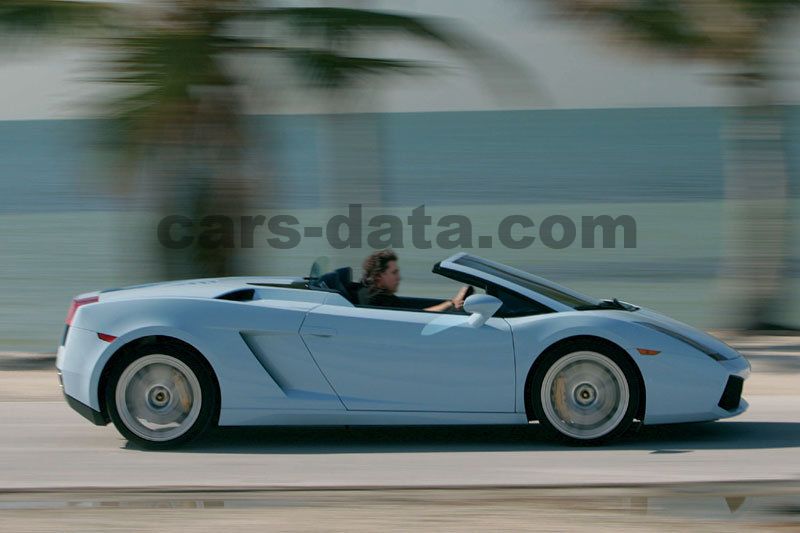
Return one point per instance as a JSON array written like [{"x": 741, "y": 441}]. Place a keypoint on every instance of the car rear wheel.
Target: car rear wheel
[
  {"x": 585, "y": 394},
  {"x": 160, "y": 396}
]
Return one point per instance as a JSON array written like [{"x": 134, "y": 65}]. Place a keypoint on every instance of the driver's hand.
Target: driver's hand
[{"x": 463, "y": 292}]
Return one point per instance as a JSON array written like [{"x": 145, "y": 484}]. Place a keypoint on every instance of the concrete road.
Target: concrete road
[{"x": 46, "y": 445}]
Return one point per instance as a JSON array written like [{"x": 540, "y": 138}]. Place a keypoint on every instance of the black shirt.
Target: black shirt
[{"x": 375, "y": 297}]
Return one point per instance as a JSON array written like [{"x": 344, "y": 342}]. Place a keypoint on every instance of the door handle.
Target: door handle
[{"x": 320, "y": 332}]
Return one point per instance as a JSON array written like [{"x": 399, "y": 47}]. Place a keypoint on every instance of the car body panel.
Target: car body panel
[
  {"x": 220, "y": 330},
  {"x": 286, "y": 354},
  {"x": 399, "y": 360},
  {"x": 681, "y": 383}
]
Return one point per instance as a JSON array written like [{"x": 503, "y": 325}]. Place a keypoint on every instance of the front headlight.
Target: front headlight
[{"x": 713, "y": 354}]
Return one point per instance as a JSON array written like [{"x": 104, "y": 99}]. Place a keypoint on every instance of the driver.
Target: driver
[{"x": 382, "y": 278}]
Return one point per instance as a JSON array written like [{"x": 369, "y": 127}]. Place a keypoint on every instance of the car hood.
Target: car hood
[{"x": 699, "y": 336}]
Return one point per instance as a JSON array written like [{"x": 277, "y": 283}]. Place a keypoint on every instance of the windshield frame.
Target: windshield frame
[{"x": 543, "y": 291}]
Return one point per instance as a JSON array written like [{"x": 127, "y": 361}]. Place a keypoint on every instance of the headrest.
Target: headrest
[{"x": 339, "y": 280}]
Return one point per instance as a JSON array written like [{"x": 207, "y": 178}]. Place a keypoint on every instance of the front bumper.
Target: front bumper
[
  {"x": 732, "y": 395},
  {"x": 693, "y": 388}
]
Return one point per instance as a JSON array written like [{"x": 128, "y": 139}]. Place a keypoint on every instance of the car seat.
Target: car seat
[{"x": 341, "y": 280}]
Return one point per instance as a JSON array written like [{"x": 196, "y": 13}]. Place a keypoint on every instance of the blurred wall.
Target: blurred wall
[{"x": 64, "y": 231}]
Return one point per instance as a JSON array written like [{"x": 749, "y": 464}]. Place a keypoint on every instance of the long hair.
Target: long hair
[{"x": 375, "y": 265}]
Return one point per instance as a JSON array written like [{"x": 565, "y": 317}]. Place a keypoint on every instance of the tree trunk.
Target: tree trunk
[
  {"x": 758, "y": 199},
  {"x": 198, "y": 165}
]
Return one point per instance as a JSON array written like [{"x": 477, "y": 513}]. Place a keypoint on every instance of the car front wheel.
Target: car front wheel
[{"x": 585, "y": 394}]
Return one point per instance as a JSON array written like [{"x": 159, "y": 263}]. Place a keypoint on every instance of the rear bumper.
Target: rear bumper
[
  {"x": 95, "y": 417},
  {"x": 75, "y": 364},
  {"x": 77, "y": 361}
]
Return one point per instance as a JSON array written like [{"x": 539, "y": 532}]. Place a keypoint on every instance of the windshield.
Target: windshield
[{"x": 561, "y": 295}]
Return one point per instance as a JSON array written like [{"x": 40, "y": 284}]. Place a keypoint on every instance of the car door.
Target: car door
[{"x": 401, "y": 360}]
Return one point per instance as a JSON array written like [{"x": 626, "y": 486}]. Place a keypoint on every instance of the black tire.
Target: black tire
[
  {"x": 617, "y": 388},
  {"x": 179, "y": 396}
]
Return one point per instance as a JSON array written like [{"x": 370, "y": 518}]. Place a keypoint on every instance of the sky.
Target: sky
[{"x": 562, "y": 65}]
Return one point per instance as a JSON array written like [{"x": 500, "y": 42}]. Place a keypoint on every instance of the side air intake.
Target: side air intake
[{"x": 239, "y": 295}]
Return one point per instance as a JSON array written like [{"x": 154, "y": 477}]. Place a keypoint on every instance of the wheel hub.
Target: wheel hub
[
  {"x": 158, "y": 397},
  {"x": 585, "y": 394}
]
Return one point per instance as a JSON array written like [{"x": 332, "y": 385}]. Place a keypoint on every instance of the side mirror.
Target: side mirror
[{"x": 481, "y": 307}]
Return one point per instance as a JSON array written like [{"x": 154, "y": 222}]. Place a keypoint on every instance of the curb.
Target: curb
[{"x": 27, "y": 361}]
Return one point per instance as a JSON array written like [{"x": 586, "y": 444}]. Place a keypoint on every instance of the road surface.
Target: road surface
[{"x": 45, "y": 445}]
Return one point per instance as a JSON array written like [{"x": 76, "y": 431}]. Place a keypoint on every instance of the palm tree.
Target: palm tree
[
  {"x": 182, "y": 85},
  {"x": 736, "y": 34},
  {"x": 177, "y": 122},
  {"x": 177, "y": 116}
]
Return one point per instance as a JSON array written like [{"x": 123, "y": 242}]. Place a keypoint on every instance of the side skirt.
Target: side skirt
[{"x": 261, "y": 417}]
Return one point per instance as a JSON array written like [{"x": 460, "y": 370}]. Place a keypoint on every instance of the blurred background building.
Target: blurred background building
[{"x": 682, "y": 115}]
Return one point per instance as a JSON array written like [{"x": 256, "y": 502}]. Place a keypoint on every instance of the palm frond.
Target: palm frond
[
  {"x": 159, "y": 73},
  {"x": 338, "y": 25},
  {"x": 50, "y": 15},
  {"x": 663, "y": 23},
  {"x": 326, "y": 69},
  {"x": 768, "y": 8},
  {"x": 339, "y": 29}
]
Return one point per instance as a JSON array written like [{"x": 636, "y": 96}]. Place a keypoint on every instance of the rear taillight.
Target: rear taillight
[{"x": 76, "y": 303}]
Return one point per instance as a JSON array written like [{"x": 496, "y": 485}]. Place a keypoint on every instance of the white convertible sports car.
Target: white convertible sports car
[{"x": 165, "y": 362}]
